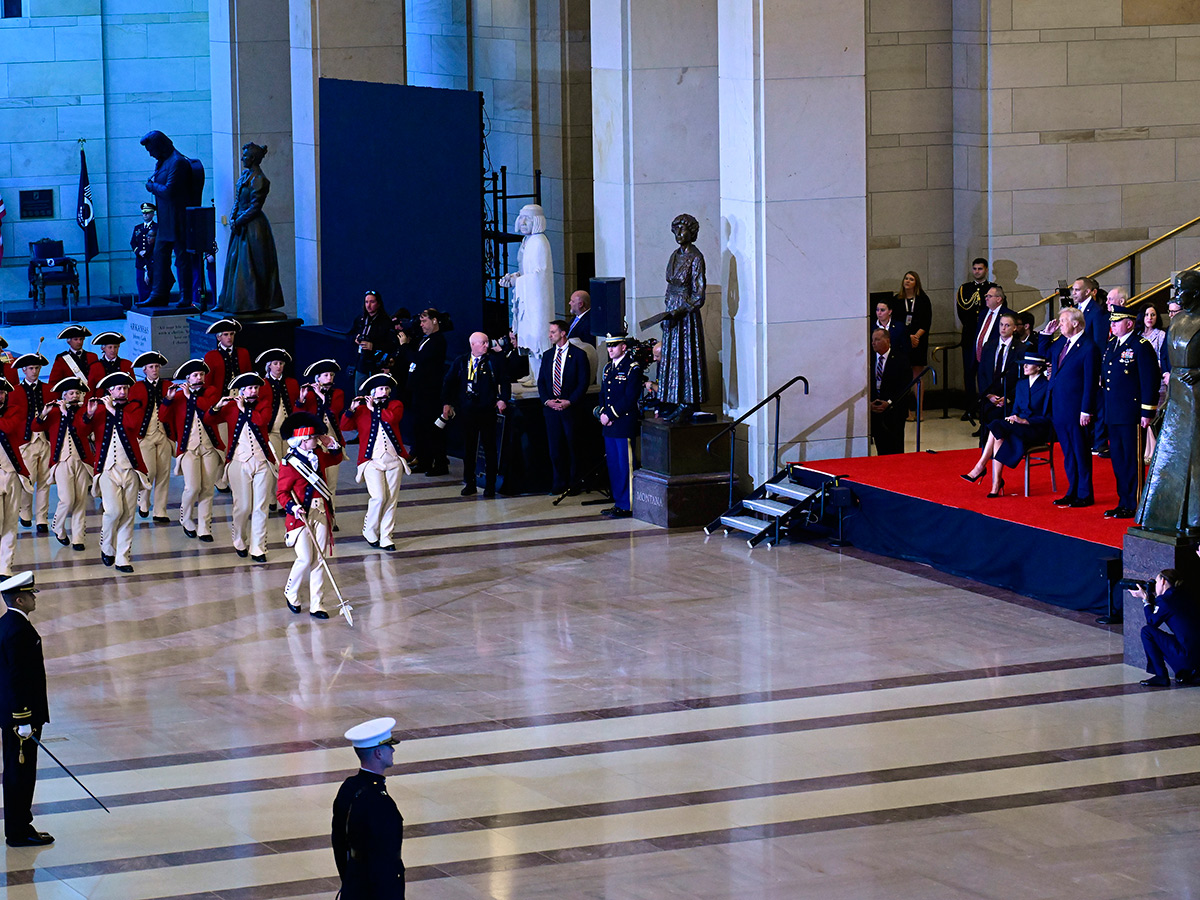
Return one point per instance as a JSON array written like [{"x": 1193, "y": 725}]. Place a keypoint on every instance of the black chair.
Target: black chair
[
  {"x": 49, "y": 268},
  {"x": 1040, "y": 455}
]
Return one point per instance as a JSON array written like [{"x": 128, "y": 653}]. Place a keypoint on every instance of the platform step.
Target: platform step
[
  {"x": 769, "y": 507},
  {"x": 787, "y": 489},
  {"x": 748, "y": 524}
]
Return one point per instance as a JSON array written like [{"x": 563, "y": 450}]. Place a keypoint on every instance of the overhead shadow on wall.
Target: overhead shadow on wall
[
  {"x": 844, "y": 411},
  {"x": 733, "y": 298},
  {"x": 1006, "y": 273}
]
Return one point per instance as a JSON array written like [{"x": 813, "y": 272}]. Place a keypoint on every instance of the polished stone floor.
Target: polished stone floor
[{"x": 596, "y": 709}]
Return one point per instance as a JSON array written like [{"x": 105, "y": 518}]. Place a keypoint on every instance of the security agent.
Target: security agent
[
  {"x": 367, "y": 826},
  {"x": 25, "y": 710},
  {"x": 1129, "y": 370},
  {"x": 620, "y": 387}
]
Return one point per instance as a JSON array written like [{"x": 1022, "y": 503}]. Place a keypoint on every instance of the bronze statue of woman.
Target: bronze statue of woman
[
  {"x": 251, "y": 281},
  {"x": 1171, "y": 501},
  {"x": 682, "y": 377}
]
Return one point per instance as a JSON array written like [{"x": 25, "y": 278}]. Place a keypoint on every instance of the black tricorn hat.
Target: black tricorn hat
[
  {"x": 300, "y": 421},
  {"x": 30, "y": 359}
]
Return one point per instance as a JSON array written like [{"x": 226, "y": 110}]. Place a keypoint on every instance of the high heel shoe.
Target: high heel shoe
[
  {"x": 999, "y": 492},
  {"x": 975, "y": 478}
]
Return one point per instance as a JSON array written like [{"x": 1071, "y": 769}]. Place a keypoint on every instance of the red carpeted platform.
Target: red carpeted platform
[{"x": 935, "y": 477}]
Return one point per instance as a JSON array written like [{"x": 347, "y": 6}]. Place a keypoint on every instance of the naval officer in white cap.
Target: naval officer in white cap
[{"x": 367, "y": 827}]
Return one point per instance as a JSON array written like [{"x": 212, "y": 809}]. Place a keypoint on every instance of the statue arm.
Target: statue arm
[
  {"x": 256, "y": 194},
  {"x": 699, "y": 282}
]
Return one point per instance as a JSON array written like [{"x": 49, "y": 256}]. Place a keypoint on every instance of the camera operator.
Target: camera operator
[
  {"x": 374, "y": 339},
  {"x": 424, "y": 356},
  {"x": 1180, "y": 647}
]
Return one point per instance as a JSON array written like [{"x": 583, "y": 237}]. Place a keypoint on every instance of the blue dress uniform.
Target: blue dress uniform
[
  {"x": 620, "y": 388},
  {"x": 142, "y": 244},
  {"x": 1131, "y": 375}
]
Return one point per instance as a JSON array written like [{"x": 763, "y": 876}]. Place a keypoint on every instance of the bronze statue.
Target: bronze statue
[
  {"x": 1171, "y": 501},
  {"x": 251, "y": 281},
  {"x": 682, "y": 381}
]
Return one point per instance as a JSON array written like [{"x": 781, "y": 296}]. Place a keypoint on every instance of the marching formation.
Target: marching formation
[{"x": 115, "y": 430}]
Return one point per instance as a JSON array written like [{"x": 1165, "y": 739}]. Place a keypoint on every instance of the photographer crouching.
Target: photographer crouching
[{"x": 1179, "y": 648}]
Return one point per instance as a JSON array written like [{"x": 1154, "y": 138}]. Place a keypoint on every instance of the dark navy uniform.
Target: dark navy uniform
[
  {"x": 23, "y": 701},
  {"x": 969, "y": 302},
  {"x": 142, "y": 244},
  {"x": 1131, "y": 376},
  {"x": 620, "y": 387},
  {"x": 367, "y": 831},
  {"x": 1178, "y": 647}
]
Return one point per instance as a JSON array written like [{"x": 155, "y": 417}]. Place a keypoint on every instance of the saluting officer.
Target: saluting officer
[
  {"x": 74, "y": 361},
  {"x": 35, "y": 447},
  {"x": 367, "y": 826},
  {"x": 142, "y": 244},
  {"x": 620, "y": 387},
  {"x": 969, "y": 302},
  {"x": 24, "y": 709},
  {"x": 153, "y": 438},
  {"x": 71, "y": 459},
  {"x": 1131, "y": 376}
]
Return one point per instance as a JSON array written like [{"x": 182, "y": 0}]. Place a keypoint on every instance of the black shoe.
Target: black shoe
[
  {"x": 33, "y": 839},
  {"x": 319, "y": 614},
  {"x": 242, "y": 553},
  {"x": 615, "y": 512},
  {"x": 77, "y": 546},
  {"x": 62, "y": 540},
  {"x": 966, "y": 417},
  {"x": 974, "y": 478},
  {"x": 207, "y": 538},
  {"x": 27, "y": 523},
  {"x": 978, "y": 432},
  {"x": 294, "y": 607},
  {"x": 128, "y": 570},
  {"x": 162, "y": 520},
  {"x": 488, "y": 493},
  {"x": 107, "y": 560},
  {"x": 272, "y": 507},
  {"x": 1114, "y": 512},
  {"x": 417, "y": 468},
  {"x": 259, "y": 557},
  {"x": 43, "y": 528},
  {"x": 1185, "y": 676},
  {"x": 374, "y": 544},
  {"x": 437, "y": 470},
  {"x": 468, "y": 491},
  {"x": 1080, "y": 503},
  {"x": 1156, "y": 681},
  {"x": 143, "y": 513},
  {"x": 188, "y": 532},
  {"x": 388, "y": 547},
  {"x": 335, "y": 528},
  {"x": 1103, "y": 454},
  {"x": 223, "y": 490},
  {"x": 1064, "y": 501}
]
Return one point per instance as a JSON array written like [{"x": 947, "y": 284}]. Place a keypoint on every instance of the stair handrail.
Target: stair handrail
[
  {"x": 775, "y": 395},
  {"x": 1145, "y": 295},
  {"x": 1130, "y": 257}
]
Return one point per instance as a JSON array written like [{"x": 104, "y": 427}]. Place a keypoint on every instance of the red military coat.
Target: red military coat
[
  {"x": 293, "y": 490},
  {"x": 174, "y": 415},
  {"x": 260, "y": 420},
  {"x": 60, "y": 369},
  {"x": 140, "y": 393},
  {"x": 215, "y": 360},
  {"x": 56, "y": 431},
  {"x": 12, "y": 430},
  {"x": 131, "y": 418},
  {"x": 331, "y": 415},
  {"x": 360, "y": 420},
  {"x": 97, "y": 371}
]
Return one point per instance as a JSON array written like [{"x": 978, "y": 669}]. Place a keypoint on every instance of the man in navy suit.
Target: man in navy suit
[
  {"x": 1085, "y": 296},
  {"x": 1131, "y": 378},
  {"x": 562, "y": 381},
  {"x": 999, "y": 371},
  {"x": 1073, "y": 383},
  {"x": 897, "y": 333},
  {"x": 890, "y": 375}
]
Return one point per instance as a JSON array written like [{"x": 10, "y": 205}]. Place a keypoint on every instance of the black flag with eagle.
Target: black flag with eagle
[{"x": 84, "y": 214}]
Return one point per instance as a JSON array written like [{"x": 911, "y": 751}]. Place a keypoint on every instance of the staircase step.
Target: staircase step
[
  {"x": 787, "y": 489},
  {"x": 747, "y": 524},
  {"x": 769, "y": 507}
]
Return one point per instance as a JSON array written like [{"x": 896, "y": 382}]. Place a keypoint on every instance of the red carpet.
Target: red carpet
[{"x": 935, "y": 477}]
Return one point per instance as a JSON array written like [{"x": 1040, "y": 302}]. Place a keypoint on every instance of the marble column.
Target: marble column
[
  {"x": 654, "y": 148},
  {"x": 357, "y": 40},
  {"x": 251, "y": 88},
  {"x": 793, "y": 222}
]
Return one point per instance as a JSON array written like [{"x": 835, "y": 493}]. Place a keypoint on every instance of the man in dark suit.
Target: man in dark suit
[
  {"x": 1085, "y": 296},
  {"x": 890, "y": 375},
  {"x": 477, "y": 389},
  {"x": 174, "y": 188},
  {"x": 969, "y": 303},
  {"x": 886, "y": 319},
  {"x": 1073, "y": 384},
  {"x": 562, "y": 383},
  {"x": 999, "y": 372},
  {"x": 1131, "y": 377},
  {"x": 426, "y": 371},
  {"x": 581, "y": 325},
  {"x": 23, "y": 694}
]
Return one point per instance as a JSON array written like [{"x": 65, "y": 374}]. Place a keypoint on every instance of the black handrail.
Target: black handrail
[
  {"x": 945, "y": 375},
  {"x": 742, "y": 418},
  {"x": 917, "y": 384}
]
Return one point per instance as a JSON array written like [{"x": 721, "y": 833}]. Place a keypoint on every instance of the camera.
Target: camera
[{"x": 1132, "y": 584}]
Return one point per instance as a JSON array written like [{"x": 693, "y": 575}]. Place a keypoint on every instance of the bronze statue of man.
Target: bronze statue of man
[
  {"x": 1171, "y": 501},
  {"x": 682, "y": 381},
  {"x": 251, "y": 282}
]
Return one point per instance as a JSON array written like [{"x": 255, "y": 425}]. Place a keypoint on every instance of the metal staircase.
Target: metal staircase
[{"x": 765, "y": 515}]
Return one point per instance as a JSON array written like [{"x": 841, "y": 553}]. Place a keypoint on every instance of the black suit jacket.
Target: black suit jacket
[
  {"x": 1000, "y": 383},
  {"x": 22, "y": 672},
  {"x": 896, "y": 376},
  {"x": 427, "y": 369},
  {"x": 490, "y": 384},
  {"x": 575, "y": 377},
  {"x": 1096, "y": 324},
  {"x": 581, "y": 327}
]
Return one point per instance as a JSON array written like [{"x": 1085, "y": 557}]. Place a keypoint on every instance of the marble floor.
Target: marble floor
[{"x": 596, "y": 709}]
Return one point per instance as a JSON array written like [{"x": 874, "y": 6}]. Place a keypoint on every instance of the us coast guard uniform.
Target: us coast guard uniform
[
  {"x": 620, "y": 387},
  {"x": 1131, "y": 377}
]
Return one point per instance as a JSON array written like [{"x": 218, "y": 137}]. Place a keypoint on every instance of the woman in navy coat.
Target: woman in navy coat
[{"x": 1028, "y": 426}]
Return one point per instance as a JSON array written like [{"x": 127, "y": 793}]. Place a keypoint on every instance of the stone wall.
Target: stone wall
[{"x": 108, "y": 72}]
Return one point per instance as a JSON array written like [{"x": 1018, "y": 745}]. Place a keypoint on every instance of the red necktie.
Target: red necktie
[{"x": 983, "y": 330}]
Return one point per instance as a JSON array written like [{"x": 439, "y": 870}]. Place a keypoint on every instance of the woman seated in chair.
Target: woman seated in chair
[{"x": 1028, "y": 426}]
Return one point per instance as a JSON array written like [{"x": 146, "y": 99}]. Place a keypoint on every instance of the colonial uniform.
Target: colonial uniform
[
  {"x": 1131, "y": 376},
  {"x": 35, "y": 446},
  {"x": 224, "y": 365},
  {"x": 104, "y": 366},
  {"x": 153, "y": 439},
  {"x": 71, "y": 464},
  {"x": 198, "y": 450},
  {"x": 620, "y": 387},
  {"x": 120, "y": 472},
  {"x": 367, "y": 826},
  {"x": 303, "y": 489},
  {"x": 284, "y": 394},
  {"x": 14, "y": 477},
  {"x": 70, "y": 363},
  {"x": 142, "y": 244},
  {"x": 250, "y": 465},
  {"x": 381, "y": 460},
  {"x": 328, "y": 406}
]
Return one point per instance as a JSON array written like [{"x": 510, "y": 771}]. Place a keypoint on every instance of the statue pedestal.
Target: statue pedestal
[
  {"x": 160, "y": 331},
  {"x": 1143, "y": 555},
  {"x": 259, "y": 333},
  {"x": 679, "y": 483}
]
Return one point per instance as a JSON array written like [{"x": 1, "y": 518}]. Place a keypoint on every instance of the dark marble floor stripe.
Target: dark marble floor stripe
[
  {"x": 692, "y": 798},
  {"x": 592, "y": 715},
  {"x": 138, "y": 798}
]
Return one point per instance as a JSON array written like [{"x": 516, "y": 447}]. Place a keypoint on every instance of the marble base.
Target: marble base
[
  {"x": 158, "y": 330},
  {"x": 258, "y": 334},
  {"x": 679, "y": 449},
  {"x": 1144, "y": 555},
  {"x": 679, "y": 501}
]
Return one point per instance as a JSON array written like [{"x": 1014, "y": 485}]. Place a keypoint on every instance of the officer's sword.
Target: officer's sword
[{"x": 50, "y": 753}]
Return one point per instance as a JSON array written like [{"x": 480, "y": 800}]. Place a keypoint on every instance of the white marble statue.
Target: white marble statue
[{"x": 532, "y": 306}]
